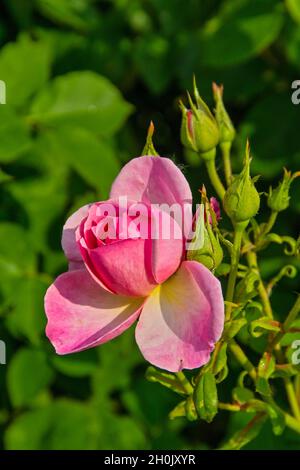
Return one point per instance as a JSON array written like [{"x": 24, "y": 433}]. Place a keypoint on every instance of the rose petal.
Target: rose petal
[
  {"x": 153, "y": 180},
  {"x": 182, "y": 319},
  {"x": 122, "y": 267},
  {"x": 135, "y": 266},
  {"x": 167, "y": 248},
  {"x": 81, "y": 314},
  {"x": 68, "y": 240}
]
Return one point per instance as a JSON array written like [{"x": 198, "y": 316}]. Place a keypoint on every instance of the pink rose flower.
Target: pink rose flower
[{"x": 116, "y": 278}]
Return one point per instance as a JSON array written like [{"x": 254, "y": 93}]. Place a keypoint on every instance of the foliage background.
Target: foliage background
[{"x": 84, "y": 78}]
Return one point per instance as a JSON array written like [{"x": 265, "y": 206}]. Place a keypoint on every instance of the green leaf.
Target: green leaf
[
  {"x": 166, "y": 379},
  {"x": 179, "y": 411},
  {"x": 120, "y": 357},
  {"x": 242, "y": 394},
  {"x": 232, "y": 328},
  {"x": 241, "y": 31},
  {"x": 28, "y": 431},
  {"x": 16, "y": 257},
  {"x": 291, "y": 42},
  {"x": 28, "y": 374},
  {"x": 190, "y": 410},
  {"x": 82, "y": 99},
  {"x": 293, "y": 7},
  {"x": 77, "y": 14},
  {"x": 63, "y": 425},
  {"x": 28, "y": 319},
  {"x": 206, "y": 396},
  {"x": 24, "y": 67},
  {"x": 292, "y": 335},
  {"x": 14, "y": 135},
  {"x": 265, "y": 369},
  {"x": 61, "y": 43},
  {"x": 76, "y": 365},
  {"x": 246, "y": 289},
  {"x": 94, "y": 159},
  {"x": 43, "y": 194},
  {"x": 263, "y": 325},
  {"x": 245, "y": 435},
  {"x": 4, "y": 177},
  {"x": 277, "y": 418},
  {"x": 219, "y": 364}
]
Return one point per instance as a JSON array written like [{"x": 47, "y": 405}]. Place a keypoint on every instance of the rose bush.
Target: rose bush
[{"x": 114, "y": 281}]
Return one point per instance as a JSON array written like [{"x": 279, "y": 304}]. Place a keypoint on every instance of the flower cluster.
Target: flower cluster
[{"x": 142, "y": 256}]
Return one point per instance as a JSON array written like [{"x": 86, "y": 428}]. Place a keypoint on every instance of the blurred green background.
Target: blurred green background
[{"x": 84, "y": 78}]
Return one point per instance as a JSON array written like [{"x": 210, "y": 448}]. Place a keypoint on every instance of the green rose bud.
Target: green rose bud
[
  {"x": 278, "y": 198},
  {"x": 227, "y": 131},
  {"x": 210, "y": 252},
  {"x": 241, "y": 200},
  {"x": 149, "y": 149},
  {"x": 199, "y": 129}
]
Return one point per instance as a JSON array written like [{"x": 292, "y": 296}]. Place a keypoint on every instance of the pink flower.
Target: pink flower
[{"x": 114, "y": 281}]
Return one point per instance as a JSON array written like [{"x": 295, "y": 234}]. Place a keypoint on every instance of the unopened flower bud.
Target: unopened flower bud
[
  {"x": 149, "y": 149},
  {"x": 241, "y": 200},
  {"x": 227, "y": 131},
  {"x": 199, "y": 129},
  {"x": 210, "y": 252},
  {"x": 278, "y": 198}
]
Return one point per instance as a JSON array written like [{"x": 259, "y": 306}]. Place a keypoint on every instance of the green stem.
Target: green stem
[
  {"x": 242, "y": 359},
  {"x": 287, "y": 323},
  {"x": 290, "y": 391},
  {"x": 252, "y": 262},
  {"x": 214, "y": 177},
  {"x": 269, "y": 225},
  {"x": 225, "y": 149},
  {"x": 292, "y": 423},
  {"x": 229, "y": 406},
  {"x": 238, "y": 234},
  {"x": 185, "y": 383},
  {"x": 289, "y": 387},
  {"x": 266, "y": 229}
]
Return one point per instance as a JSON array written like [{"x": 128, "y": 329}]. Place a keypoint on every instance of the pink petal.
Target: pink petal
[
  {"x": 135, "y": 266},
  {"x": 82, "y": 315},
  {"x": 182, "y": 319},
  {"x": 153, "y": 180},
  {"x": 122, "y": 267},
  {"x": 167, "y": 249},
  {"x": 68, "y": 240}
]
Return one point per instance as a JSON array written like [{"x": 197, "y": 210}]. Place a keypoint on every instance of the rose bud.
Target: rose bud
[
  {"x": 278, "y": 198},
  {"x": 210, "y": 252},
  {"x": 241, "y": 200},
  {"x": 227, "y": 131},
  {"x": 199, "y": 129}
]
